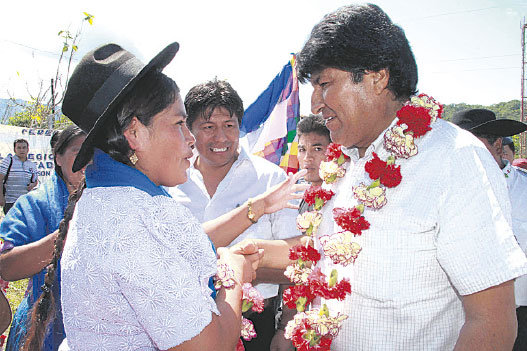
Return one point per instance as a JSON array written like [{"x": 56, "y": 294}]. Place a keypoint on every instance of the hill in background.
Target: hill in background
[
  {"x": 510, "y": 109},
  {"x": 8, "y": 109}
]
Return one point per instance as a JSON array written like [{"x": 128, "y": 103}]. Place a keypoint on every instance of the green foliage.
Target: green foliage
[
  {"x": 510, "y": 109},
  {"x": 15, "y": 295},
  {"x": 36, "y": 115},
  {"x": 88, "y": 18},
  {"x": 516, "y": 140}
]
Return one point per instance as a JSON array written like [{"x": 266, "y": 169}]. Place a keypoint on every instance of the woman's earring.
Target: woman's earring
[{"x": 133, "y": 158}]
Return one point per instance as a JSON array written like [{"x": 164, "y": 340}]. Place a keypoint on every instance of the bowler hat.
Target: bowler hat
[
  {"x": 482, "y": 121},
  {"x": 98, "y": 84}
]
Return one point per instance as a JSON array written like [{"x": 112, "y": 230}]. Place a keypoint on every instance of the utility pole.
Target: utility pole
[
  {"x": 523, "y": 136},
  {"x": 51, "y": 118}
]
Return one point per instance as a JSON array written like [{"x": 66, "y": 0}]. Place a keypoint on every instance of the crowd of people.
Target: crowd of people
[{"x": 156, "y": 219}]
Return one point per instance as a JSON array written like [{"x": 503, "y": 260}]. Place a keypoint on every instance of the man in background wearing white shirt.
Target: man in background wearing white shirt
[
  {"x": 484, "y": 125},
  {"x": 223, "y": 176}
]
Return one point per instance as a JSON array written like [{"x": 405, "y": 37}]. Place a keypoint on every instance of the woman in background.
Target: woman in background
[{"x": 29, "y": 231}]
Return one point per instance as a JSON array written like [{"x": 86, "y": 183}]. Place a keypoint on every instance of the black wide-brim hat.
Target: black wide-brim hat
[
  {"x": 483, "y": 121},
  {"x": 99, "y": 83}
]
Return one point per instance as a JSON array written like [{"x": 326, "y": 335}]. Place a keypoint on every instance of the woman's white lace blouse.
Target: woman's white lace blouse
[{"x": 135, "y": 272}]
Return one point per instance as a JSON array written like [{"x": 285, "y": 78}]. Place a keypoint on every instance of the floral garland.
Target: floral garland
[
  {"x": 251, "y": 299},
  {"x": 316, "y": 328}
]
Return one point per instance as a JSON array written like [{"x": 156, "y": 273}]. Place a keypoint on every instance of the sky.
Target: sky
[{"x": 466, "y": 50}]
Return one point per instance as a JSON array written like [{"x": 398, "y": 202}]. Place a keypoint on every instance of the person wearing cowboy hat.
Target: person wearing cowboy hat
[
  {"x": 137, "y": 266},
  {"x": 491, "y": 131}
]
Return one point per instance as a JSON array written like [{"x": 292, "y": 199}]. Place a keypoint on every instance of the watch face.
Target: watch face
[{"x": 250, "y": 213}]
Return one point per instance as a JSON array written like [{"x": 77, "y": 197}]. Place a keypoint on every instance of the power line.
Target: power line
[
  {"x": 477, "y": 69},
  {"x": 451, "y": 13},
  {"x": 477, "y": 58},
  {"x": 45, "y": 52}
]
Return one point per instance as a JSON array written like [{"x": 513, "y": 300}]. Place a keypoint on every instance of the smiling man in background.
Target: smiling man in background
[{"x": 223, "y": 176}]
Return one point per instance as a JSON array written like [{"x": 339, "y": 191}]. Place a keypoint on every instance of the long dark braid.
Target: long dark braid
[{"x": 43, "y": 310}]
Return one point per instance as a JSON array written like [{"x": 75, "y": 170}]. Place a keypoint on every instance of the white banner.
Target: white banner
[{"x": 39, "y": 148}]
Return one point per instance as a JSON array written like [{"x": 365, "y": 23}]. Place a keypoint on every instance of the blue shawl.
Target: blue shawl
[{"x": 33, "y": 216}]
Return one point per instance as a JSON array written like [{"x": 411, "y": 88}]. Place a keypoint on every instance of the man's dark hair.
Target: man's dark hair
[
  {"x": 360, "y": 38},
  {"x": 20, "y": 141},
  {"x": 313, "y": 124},
  {"x": 507, "y": 141},
  {"x": 203, "y": 99}
]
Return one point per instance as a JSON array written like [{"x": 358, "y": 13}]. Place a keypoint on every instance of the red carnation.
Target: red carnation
[
  {"x": 350, "y": 220},
  {"x": 302, "y": 342},
  {"x": 339, "y": 291},
  {"x": 317, "y": 282},
  {"x": 334, "y": 152},
  {"x": 320, "y": 287},
  {"x": 389, "y": 175},
  {"x": 305, "y": 253},
  {"x": 417, "y": 118},
  {"x": 375, "y": 167},
  {"x": 294, "y": 295},
  {"x": 316, "y": 192},
  {"x": 392, "y": 176},
  {"x": 298, "y": 339}
]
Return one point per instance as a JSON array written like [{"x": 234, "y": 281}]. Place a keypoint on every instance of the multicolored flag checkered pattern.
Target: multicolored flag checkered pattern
[{"x": 268, "y": 127}]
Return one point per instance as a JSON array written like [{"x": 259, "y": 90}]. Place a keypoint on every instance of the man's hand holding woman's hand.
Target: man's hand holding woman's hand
[{"x": 242, "y": 259}]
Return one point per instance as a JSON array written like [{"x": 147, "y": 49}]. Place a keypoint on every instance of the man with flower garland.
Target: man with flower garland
[
  {"x": 416, "y": 220},
  {"x": 490, "y": 131}
]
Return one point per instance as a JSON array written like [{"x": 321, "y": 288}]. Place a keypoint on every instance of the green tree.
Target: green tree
[{"x": 36, "y": 115}]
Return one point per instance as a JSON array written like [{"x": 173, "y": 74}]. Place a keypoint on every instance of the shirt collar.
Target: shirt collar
[
  {"x": 353, "y": 152},
  {"x": 106, "y": 172},
  {"x": 507, "y": 169}
]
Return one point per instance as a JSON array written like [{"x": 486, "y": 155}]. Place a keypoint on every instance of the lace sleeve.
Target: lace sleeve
[{"x": 165, "y": 282}]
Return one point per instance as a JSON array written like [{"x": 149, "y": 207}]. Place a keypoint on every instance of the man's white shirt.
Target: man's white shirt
[
  {"x": 444, "y": 232},
  {"x": 248, "y": 177}
]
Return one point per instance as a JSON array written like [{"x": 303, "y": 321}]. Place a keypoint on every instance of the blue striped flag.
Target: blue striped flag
[{"x": 268, "y": 127}]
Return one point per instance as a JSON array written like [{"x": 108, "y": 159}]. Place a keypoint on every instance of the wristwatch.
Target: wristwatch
[{"x": 250, "y": 214}]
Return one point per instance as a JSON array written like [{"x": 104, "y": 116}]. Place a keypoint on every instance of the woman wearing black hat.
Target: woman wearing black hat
[
  {"x": 137, "y": 266},
  {"x": 29, "y": 231}
]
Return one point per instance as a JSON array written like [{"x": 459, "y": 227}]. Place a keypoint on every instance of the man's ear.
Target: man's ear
[
  {"x": 137, "y": 135},
  {"x": 379, "y": 80}
]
